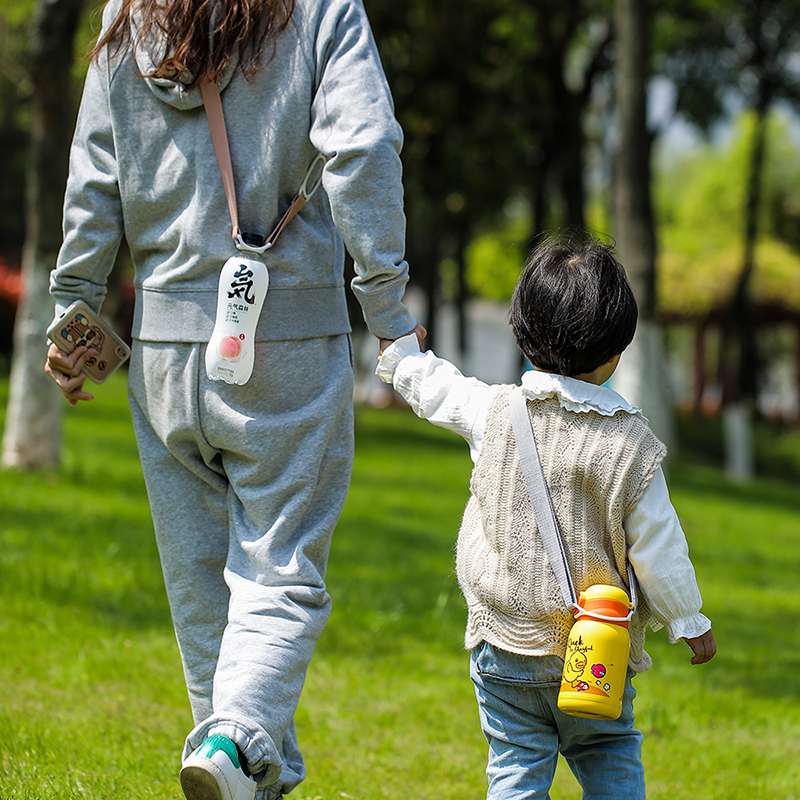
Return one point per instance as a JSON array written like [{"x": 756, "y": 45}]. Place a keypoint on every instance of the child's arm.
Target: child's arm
[
  {"x": 436, "y": 390},
  {"x": 658, "y": 551}
]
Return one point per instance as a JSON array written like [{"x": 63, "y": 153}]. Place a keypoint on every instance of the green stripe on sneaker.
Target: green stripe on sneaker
[{"x": 218, "y": 742}]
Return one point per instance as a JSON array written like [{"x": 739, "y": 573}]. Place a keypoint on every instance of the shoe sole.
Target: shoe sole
[{"x": 199, "y": 783}]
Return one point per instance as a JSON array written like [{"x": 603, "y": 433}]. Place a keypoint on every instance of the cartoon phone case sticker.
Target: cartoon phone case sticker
[
  {"x": 78, "y": 327},
  {"x": 80, "y": 332}
]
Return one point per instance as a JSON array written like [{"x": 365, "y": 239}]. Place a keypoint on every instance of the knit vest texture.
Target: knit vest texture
[{"x": 596, "y": 468}]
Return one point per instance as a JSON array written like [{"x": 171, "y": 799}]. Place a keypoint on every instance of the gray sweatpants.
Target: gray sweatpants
[{"x": 246, "y": 484}]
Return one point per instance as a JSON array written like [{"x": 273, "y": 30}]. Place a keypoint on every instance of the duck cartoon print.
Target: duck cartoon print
[
  {"x": 574, "y": 667},
  {"x": 579, "y": 674}
]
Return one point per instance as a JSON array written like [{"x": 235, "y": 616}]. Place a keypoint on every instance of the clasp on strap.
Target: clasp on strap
[
  {"x": 251, "y": 242},
  {"x": 258, "y": 244},
  {"x": 308, "y": 192}
]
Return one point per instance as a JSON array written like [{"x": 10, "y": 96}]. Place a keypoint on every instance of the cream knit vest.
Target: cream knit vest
[{"x": 596, "y": 468}]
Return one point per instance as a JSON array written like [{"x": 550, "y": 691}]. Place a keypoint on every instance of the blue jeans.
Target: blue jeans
[{"x": 517, "y": 702}]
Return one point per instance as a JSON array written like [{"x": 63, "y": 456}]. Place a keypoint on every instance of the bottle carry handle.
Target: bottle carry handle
[
  {"x": 543, "y": 510},
  {"x": 582, "y": 612}
]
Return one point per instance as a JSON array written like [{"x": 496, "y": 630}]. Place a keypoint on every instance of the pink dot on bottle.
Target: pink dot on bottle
[{"x": 229, "y": 347}]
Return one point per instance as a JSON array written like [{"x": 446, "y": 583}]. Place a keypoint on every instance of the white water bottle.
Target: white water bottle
[{"x": 230, "y": 354}]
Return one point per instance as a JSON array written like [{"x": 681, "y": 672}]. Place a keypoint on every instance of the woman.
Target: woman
[{"x": 246, "y": 482}]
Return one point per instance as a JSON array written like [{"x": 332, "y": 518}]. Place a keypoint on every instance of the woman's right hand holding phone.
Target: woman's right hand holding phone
[{"x": 66, "y": 369}]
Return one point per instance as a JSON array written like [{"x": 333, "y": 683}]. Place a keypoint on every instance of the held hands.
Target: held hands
[
  {"x": 418, "y": 330},
  {"x": 67, "y": 371},
  {"x": 704, "y": 647}
]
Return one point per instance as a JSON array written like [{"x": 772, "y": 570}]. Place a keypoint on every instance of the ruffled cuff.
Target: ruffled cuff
[
  {"x": 688, "y": 627},
  {"x": 393, "y": 354}
]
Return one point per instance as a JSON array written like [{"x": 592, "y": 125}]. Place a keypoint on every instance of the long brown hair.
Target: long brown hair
[{"x": 243, "y": 29}]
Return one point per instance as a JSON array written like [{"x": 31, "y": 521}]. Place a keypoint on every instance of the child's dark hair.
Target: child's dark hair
[{"x": 573, "y": 309}]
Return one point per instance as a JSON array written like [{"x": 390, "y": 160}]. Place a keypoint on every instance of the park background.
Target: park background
[{"x": 670, "y": 126}]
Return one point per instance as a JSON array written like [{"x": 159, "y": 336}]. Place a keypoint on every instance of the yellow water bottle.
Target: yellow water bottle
[{"x": 596, "y": 662}]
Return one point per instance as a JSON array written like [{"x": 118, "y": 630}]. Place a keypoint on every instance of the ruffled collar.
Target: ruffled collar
[{"x": 574, "y": 395}]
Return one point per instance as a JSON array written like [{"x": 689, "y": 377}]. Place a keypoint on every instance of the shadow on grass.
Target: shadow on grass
[
  {"x": 400, "y": 429},
  {"x": 758, "y": 654},
  {"x": 777, "y": 446},
  {"x": 136, "y": 608},
  {"x": 700, "y": 479},
  {"x": 392, "y": 586},
  {"x": 102, "y": 567}
]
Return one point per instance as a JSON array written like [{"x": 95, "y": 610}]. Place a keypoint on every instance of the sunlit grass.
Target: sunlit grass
[{"x": 92, "y": 702}]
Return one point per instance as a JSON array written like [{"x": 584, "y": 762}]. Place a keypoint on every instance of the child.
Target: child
[{"x": 573, "y": 313}]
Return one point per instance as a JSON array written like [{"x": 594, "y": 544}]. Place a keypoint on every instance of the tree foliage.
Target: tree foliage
[
  {"x": 16, "y": 89},
  {"x": 725, "y": 53},
  {"x": 700, "y": 200},
  {"x": 490, "y": 95}
]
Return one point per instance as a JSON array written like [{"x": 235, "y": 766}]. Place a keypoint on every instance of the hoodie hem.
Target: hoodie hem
[{"x": 188, "y": 316}]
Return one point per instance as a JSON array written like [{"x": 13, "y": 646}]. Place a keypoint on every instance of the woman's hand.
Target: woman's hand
[
  {"x": 66, "y": 369},
  {"x": 418, "y": 330}
]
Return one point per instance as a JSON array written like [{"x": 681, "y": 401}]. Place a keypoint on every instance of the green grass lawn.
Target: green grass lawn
[{"x": 92, "y": 703}]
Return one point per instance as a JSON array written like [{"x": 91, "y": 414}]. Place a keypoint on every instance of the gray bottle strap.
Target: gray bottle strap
[{"x": 541, "y": 502}]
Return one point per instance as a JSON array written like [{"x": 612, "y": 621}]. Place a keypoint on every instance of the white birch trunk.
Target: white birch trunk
[
  {"x": 32, "y": 436},
  {"x": 739, "y": 449},
  {"x": 642, "y": 379}
]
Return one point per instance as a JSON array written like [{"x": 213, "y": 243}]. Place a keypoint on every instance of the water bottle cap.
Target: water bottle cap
[
  {"x": 601, "y": 591},
  {"x": 605, "y": 602}
]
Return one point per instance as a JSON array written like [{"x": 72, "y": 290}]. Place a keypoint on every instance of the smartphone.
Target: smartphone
[{"x": 79, "y": 325}]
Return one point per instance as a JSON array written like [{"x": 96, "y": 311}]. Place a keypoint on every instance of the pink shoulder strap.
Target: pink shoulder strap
[{"x": 219, "y": 136}]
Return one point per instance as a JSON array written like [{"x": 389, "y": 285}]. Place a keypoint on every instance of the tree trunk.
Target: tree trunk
[
  {"x": 641, "y": 376},
  {"x": 740, "y": 456},
  {"x": 32, "y": 436},
  {"x": 633, "y": 213},
  {"x": 462, "y": 294},
  {"x": 746, "y": 381},
  {"x": 699, "y": 366},
  {"x": 739, "y": 450},
  {"x": 426, "y": 262},
  {"x": 572, "y": 167}
]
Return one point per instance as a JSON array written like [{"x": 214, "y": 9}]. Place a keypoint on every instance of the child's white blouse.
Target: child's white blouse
[{"x": 438, "y": 392}]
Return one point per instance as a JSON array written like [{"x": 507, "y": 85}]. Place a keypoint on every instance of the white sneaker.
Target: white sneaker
[{"x": 214, "y": 772}]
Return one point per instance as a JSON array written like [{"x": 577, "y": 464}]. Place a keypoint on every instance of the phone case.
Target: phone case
[{"x": 78, "y": 326}]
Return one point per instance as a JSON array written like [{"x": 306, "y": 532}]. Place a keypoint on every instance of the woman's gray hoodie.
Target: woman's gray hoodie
[{"x": 143, "y": 165}]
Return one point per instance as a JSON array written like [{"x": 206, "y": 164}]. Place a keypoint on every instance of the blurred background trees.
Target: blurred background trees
[
  {"x": 32, "y": 436},
  {"x": 669, "y": 125}
]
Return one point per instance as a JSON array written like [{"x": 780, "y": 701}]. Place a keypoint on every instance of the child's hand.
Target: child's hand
[{"x": 704, "y": 647}]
